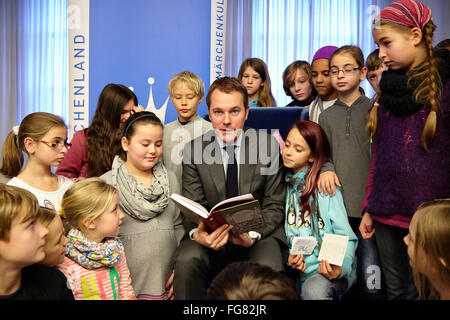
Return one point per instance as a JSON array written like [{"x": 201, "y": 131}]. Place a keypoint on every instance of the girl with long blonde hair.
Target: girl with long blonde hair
[
  {"x": 428, "y": 244},
  {"x": 409, "y": 128},
  {"x": 95, "y": 264}
]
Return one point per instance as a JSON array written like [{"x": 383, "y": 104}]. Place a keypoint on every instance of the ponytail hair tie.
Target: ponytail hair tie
[
  {"x": 60, "y": 212},
  {"x": 15, "y": 130}
]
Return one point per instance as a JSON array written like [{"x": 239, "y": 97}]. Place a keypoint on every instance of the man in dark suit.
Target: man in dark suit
[{"x": 210, "y": 175}]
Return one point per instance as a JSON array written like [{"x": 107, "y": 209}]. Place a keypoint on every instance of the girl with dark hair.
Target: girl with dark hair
[
  {"x": 349, "y": 163},
  {"x": 255, "y": 77},
  {"x": 152, "y": 228},
  {"x": 95, "y": 147},
  {"x": 310, "y": 213}
]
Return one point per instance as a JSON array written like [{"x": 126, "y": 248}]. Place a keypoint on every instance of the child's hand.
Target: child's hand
[
  {"x": 215, "y": 240},
  {"x": 329, "y": 271},
  {"x": 169, "y": 287},
  {"x": 366, "y": 226},
  {"x": 295, "y": 261},
  {"x": 137, "y": 109},
  {"x": 326, "y": 183}
]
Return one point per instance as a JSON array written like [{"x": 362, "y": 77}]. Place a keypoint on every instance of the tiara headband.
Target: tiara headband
[
  {"x": 146, "y": 114},
  {"x": 409, "y": 13}
]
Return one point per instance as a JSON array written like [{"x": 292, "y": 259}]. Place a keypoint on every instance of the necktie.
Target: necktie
[{"x": 232, "y": 173}]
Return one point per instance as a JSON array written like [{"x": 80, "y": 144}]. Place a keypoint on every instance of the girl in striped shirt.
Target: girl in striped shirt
[{"x": 95, "y": 263}]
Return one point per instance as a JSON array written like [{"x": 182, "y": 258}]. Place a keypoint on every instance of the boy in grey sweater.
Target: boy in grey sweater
[{"x": 186, "y": 91}]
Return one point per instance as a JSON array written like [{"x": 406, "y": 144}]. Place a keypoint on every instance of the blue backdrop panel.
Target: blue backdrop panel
[{"x": 131, "y": 41}]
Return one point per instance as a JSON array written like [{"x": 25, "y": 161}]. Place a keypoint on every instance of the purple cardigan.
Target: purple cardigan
[{"x": 403, "y": 175}]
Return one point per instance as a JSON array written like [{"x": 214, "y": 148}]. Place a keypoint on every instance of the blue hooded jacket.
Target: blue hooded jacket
[{"x": 333, "y": 219}]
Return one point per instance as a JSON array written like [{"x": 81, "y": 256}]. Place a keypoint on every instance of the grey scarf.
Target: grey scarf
[{"x": 135, "y": 199}]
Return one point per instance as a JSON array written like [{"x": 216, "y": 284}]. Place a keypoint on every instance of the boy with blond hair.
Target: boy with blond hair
[
  {"x": 22, "y": 243},
  {"x": 186, "y": 91}
]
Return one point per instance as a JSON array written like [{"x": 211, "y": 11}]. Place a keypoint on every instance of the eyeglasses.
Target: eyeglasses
[
  {"x": 57, "y": 145},
  {"x": 347, "y": 71}
]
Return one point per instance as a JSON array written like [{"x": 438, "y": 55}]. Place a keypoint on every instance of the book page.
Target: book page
[
  {"x": 233, "y": 201},
  {"x": 191, "y": 205},
  {"x": 333, "y": 248}
]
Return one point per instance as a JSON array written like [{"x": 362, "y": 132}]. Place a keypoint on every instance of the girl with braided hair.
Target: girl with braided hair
[{"x": 409, "y": 126}]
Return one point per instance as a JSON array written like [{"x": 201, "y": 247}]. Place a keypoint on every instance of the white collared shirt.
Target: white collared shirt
[{"x": 237, "y": 154}]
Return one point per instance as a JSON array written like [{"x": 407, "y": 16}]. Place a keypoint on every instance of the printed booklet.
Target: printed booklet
[
  {"x": 243, "y": 212},
  {"x": 333, "y": 247},
  {"x": 303, "y": 245}
]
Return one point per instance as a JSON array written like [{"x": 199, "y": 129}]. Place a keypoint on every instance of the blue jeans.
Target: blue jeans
[
  {"x": 370, "y": 284},
  {"x": 317, "y": 287}
]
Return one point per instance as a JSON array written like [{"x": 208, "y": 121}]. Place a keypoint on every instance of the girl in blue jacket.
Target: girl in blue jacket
[{"x": 310, "y": 213}]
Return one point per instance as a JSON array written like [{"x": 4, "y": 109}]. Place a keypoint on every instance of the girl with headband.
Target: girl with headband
[
  {"x": 152, "y": 227},
  {"x": 410, "y": 129}
]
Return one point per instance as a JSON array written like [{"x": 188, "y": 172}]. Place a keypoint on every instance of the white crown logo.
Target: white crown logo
[{"x": 161, "y": 112}]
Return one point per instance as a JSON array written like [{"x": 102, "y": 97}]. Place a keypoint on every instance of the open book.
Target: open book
[{"x": 243, "y": 212}]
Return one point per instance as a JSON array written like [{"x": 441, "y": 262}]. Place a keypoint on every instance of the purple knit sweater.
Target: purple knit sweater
[{"x": 404, "y": 174}]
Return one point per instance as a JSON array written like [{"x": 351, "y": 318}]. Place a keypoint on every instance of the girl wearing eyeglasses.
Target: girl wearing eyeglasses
[
  {"x": 43, "y": 137},
  {"x": 349, "y": 164}
]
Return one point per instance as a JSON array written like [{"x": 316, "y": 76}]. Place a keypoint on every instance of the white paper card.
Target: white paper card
[
  {"x": 303, "y": 245},
  {"x": 333, "y": 248}
]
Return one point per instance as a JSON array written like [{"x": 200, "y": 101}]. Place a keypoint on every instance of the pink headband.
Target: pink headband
[{"x": 410, "y": 13}]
